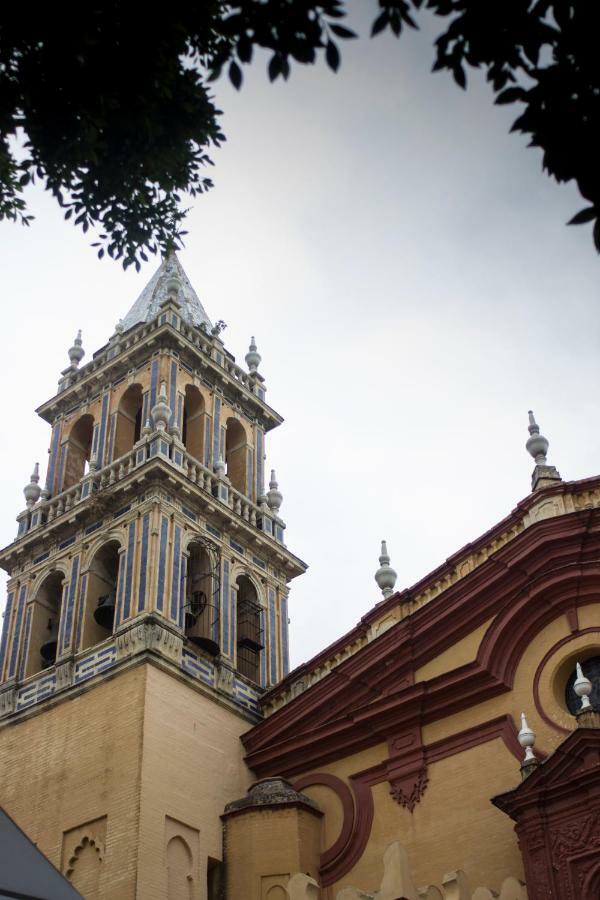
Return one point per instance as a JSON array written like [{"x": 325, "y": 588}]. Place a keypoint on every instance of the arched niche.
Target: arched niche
[
  {"x": 201, "y": 621},
  {"x": 194, "y": 418},
  {"x": 250, "y": 638},
  {"x": 45, "y": 620},
  {"x": 77, "y": 450},
  {"x": 180, "y": 880},
  {"x": 129, "y": 420},
  {"x": 236, "y": 454},
  {"x": 100, "y": 595}
]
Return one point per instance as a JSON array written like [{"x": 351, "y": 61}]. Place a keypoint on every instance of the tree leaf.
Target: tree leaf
[
  {"x": 332, "y": 55},
  {"x": 235, "y": 75},
  {"x": 583, "y": 216}
]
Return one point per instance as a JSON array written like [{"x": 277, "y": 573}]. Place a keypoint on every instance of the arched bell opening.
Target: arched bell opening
[
  {"x": 77, "y": 450},
  {"x": 250, "y": 638},
  {"x": 45, "y": 621},
  {"x": 192, "y": 433},
  {"x": 129, "y": 420},
  {"x": 236, "y": 453},
  {"x": 201, "y": 620},
  {"x": 101, "y": 595}
]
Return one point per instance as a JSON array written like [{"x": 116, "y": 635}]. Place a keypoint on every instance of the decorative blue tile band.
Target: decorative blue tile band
[
  {"x": 12, "y": 668},
  {"x": 173, "y": 392},
  {"x": 263, "y": 652},
  {"x": 249, "y": 473},
  {"x": 225, "y": 608},
  {"x": 143, "y": 563},
  {"x": 216, "y": 429},
  {"x": 44, "y": 686},
  {"x": 26, "y": 635},
  {"x": 82, "y": 600},
  {"x": 129, "y": 571},
  {"x": 67, "y": 614},
  {"x": 111, "y": 438},
  {"x": 162, "y": 557},
  {"x": 232, "y": 619},
  {"x": 207, "y": 442},
  {"x": 260, "y": 453},
  {"x": 52, "y": 461},
  {"x": 198, "y": 668},
  {"x": 176, "y": 581},
  {"x": 285, "y": 661},
  {"x": 5, "y": 630},
  {"x": 120, "y": 589},
  {"x": 94, "y": 663},
  {"x": 272, "y": 639},
  {"x": 101, "y": 455},
  {"x": 153, "y": 384}
]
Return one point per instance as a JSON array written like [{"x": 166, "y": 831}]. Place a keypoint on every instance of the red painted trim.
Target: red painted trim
[
  {"x": 538, "y": 675},
  {"x": 343, "y": 792}
]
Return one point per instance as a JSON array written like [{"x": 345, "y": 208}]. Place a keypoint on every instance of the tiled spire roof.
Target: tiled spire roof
[{"x": 147, "y": 305}]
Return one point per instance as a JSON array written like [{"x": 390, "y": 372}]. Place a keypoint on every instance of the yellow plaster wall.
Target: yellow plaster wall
[
  {"x": 461, "y": 653},
  {"x": 77, "y": 763},
  {"x": 192, "y": 766}
]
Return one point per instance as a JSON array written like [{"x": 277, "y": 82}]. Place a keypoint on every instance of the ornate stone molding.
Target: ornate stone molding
[
  {"x": 149, "y": 635},
  {"x": 8, "y": 697}
]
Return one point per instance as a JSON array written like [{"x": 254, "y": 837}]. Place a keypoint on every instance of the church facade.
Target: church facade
[{"x": 154, "y": 743}]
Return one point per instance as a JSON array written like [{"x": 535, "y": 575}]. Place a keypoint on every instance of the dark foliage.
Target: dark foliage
[{"x": 111, "y": 109}]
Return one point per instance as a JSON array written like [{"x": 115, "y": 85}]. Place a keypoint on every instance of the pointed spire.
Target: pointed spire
[
  {"x": 161, "y": 411},
  {"x": 253, "y": 357},
  {"x": 169, "y": 281},
  {"x": 274, "y": 495},
  {"x": 33, "y": 490},
  {"x": 583, "y": 688},
  {"x": 385, "y": 576},
  {"x": 537, "y": 446},
  {"x": 76, "y": 352}
]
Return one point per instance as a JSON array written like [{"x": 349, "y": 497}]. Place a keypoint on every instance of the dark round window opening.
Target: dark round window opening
[{"x": 591, "y": 670}]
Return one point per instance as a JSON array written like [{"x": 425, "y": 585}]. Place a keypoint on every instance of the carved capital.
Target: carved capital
[{"x": 149, "y": 635}]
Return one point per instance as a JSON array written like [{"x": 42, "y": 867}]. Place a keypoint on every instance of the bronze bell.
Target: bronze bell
[
  {"x": 104, "y": 614},
  {"x": 49, "y": 647}
]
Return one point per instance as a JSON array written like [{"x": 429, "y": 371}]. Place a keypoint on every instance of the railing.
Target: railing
[{"x": 218, "y": 487}]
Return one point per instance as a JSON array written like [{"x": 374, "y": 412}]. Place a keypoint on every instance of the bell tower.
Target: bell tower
[{"x": 147, "y": 603}]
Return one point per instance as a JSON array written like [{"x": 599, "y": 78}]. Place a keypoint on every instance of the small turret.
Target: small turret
[{"x": 385, "y": 576}]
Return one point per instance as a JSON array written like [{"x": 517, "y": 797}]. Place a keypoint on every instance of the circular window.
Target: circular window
[{"x": 591, "y": 670}]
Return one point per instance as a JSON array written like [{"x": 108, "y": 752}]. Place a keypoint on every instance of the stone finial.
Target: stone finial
[
  {"x": 161, "y": 411},
  {"x": 147, "y": 429},
  {"x": 174, "y": 288},
  {"x": 76, "y": 352},
  {"x": 526, "y": 738},
  {"x": 583, "y": 688},
  {"x": 385, "y": 576},
  {"x": 274, "y": 495},
  {"x": 220, "y": 468},
  {"x": 33, "y": 490},
  {"x": 253, "y": 357},
  {"x": 537, "y": 446}
]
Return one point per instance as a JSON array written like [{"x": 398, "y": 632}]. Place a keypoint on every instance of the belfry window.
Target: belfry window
[
  {"x": 101, "y": 595},
  {"x": 193, "y": 422},
  {"x": 45, "y": 619},
  {"x": 77, "y": 450},
  {"x": 236, "y": 447},
  {"x": 202, "y": 601},
  {"x": 129, "y": 420},
  {"x": 250, "y": 639}
]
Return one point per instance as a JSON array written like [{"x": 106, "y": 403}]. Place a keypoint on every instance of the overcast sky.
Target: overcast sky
[{"x": 405, "y": 267}]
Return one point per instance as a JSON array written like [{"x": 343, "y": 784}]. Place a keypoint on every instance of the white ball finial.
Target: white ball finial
[
  {"x": 33, "y": 490},
  {"x": 583, "y": 688},
  {"x": 526, "y": 738},
  {"x": 537, "y": 445},
  {"x": 253, "y": 357},
  {"x": 274, "y": 495},
  {"x": 385, "y": 576},
  {"x": 76, "y": 352},
  {"x": 161, "y": 411}
]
